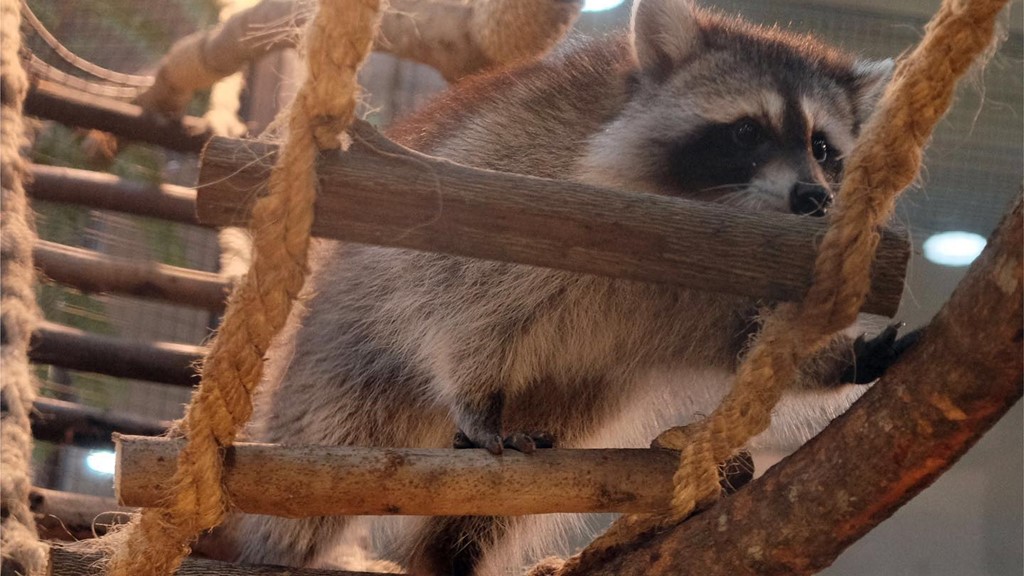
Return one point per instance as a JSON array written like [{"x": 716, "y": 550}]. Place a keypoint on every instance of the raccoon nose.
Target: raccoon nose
[{"x": 809, "y": 199}]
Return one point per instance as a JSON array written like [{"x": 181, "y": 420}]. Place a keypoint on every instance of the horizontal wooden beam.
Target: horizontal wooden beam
[
  {"x": 63, "y": 422},
  {"x": 108, "y": 192},
  {"x": 76, "y": 561},
  {"x": 381, "y": 193},
  {"x": 91, "y": 271},
  {"x": 52, "y": 101},
  {"x": 67, "y": 347},
  {"x": 298, "y": 481},
  {"x": 70, "y": 516}
]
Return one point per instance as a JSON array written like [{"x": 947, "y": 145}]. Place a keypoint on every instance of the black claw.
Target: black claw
[
  {"x": 873, "y": 356},
  {"x": 525, "y": 442},
  {"x": 521, "y": 442},
  {"x": 492, "y": 444}
]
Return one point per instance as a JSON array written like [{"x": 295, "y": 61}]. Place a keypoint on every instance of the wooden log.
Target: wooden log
[
  {"x": 74, "y": 561},
  {"x": 108, "y": 192},
  {"x": 91, "y": 271},
  {"x": 930, "y": 408},
  {"x": 455, "y": 38},
  {"x": 74, "y": 108},
  {"x": 381, "y": 193},
  {"x": 165, "y": 362},
  {"x": 69, "y": 516},
  {"x": 70, "y": 423},
  {"x": 301, "y": 481}
]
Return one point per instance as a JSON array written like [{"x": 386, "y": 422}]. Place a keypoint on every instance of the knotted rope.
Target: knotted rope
[
  {"x": 339, "y": 38},
  {"x": 886, "y": 160},
  {"x": 19, "y": 540}
]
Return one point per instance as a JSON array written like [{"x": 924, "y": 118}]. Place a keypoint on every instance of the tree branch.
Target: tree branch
[{"x": 456, "y": 38}]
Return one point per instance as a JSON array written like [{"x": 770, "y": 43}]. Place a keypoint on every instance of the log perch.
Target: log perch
[
  {"x": 930, "y": 408},
  {"x": 70, "y": 423},
  {"x": 381, "y": 193},
  {"x": 78, "y": 561},
  {"x": 297, "y": 481},
  {"x": 67, "y": 347},
  {"x": 108, "y": 192},
  {"x": 75, "y": 108},
  {"x": 455, "y": 38},
  {"x": 90, "y": 271},
  {"x": 69, "y": 516}
]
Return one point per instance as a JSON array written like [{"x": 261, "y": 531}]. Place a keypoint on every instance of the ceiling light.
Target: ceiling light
[
  {"x": 101, "y": 461},
  {"x": 953, "y": 248},
  {"x": 600, "y": 5}
]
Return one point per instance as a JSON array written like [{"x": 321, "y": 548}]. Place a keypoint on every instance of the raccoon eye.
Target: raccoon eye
[
  {"x": 820, "y": 148},
  {"x": 747, "y": 133}
]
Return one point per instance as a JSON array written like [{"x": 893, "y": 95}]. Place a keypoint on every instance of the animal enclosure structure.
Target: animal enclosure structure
[{"x": 378, "y": 192}]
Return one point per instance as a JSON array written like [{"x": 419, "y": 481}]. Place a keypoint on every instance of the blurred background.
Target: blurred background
[{"x": 968, "y": 523}]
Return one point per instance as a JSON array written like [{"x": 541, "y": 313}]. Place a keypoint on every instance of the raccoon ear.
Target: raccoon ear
[
  {"x": 872, "y": 76},
  {"x": 663, "y": 33}
]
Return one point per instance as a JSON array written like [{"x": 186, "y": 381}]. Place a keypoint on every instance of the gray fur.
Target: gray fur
[{"x": 399, "y": 348}]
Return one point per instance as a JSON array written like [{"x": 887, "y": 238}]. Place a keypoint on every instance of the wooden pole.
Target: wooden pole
[
  {"x": 70, "y": 423},
  {"x": 298, "y": 481},
  {"x": 74, "y": 561},
  {"x": 164, "y": 362},
  {"x": 909, "y": 428},
  {"x": 91, "y": 271},
  {"x": 381, "y": 193},
  {"x": 70, "y": 516},
  {"x": 74, "y": 108},
  {"x": 108, "y": 192}
]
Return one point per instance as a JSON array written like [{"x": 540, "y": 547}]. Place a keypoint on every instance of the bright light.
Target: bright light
[
  {"x": 600, "y": 5},
  {"x": 101, "y": 462},
  {"x": 953, "y": 248}
]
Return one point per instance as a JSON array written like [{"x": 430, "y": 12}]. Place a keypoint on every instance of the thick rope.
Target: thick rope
[
  {"x": 886, "y": 160},
  {"x": 19, "y": 541},
  {"x": 339, "y": 39}
]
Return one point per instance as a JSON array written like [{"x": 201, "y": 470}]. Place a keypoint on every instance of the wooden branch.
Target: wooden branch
[
  {"x": 456, "y": 38},
  {"x": 73, "y": 108},
  {"x": 74, "y": 561},
  {"x": 70, "y": 516},
  {"x": 91, "y": 271},
  {"x": 165, "y": 362},
  {"x": 381, "y": 193},
  {"x": 932, "y": 406},
  {"x": 300, "y": 481},
  {"x": 108, "y": 192},
  {"x": 70, "y": 423},
  {"x": 459, "y": 38}
]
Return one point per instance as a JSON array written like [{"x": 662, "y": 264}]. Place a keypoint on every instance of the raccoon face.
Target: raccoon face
[{"x": 725, "y": 111}]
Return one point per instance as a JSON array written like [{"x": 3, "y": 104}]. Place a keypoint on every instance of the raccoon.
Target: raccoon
[{"x": 396, "y": 348}]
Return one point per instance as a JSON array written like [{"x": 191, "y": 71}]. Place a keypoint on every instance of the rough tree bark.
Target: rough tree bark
[{"x": 933, "y": 405}]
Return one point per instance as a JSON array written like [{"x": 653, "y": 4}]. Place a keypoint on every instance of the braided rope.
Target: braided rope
[
  {"x": 886, "y": 160},
  {"x": 339, "y": 39},
  {"x": 19, "y": 540}
]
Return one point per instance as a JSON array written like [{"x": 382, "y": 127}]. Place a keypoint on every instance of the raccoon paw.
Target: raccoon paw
[
  {"x": 525, "y": 442},
  {"x": 873, "y": 356}
]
